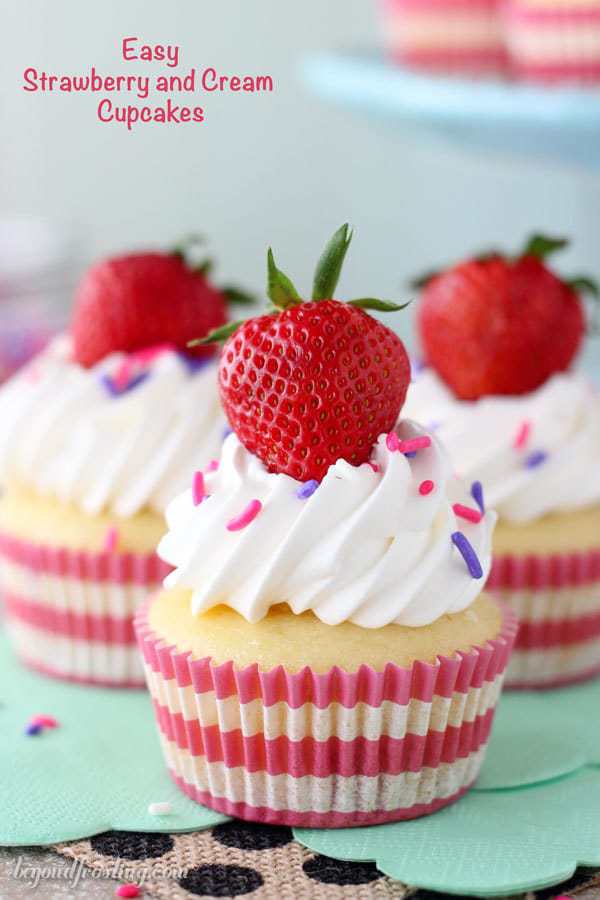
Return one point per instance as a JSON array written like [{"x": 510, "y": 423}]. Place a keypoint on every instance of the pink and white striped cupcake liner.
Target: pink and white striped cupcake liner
[
  {"x": 557, "y": 601},
  {"x": 446, "y": 35},
  {"x": 69, "y": 613},
  {"x": 332, "y": 750},
  {"x": 554, "y": 43}
]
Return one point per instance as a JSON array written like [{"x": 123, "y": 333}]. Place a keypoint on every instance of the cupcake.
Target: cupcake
[
  {"x": 554, "y": 40},
  {"x": 500, "y": 336},
  {"x": 99, "y": 433},
  {"x": 322, "y": 654},
  {"x": 447, "y": 35}
]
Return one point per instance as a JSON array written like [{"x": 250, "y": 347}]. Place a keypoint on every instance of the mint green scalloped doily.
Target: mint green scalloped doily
[{"x": 532, "y": 818}]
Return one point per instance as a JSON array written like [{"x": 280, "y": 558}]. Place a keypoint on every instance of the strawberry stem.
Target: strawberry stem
[
  {"x": 280, "y": 289},
  {"x": 183, "y": 247},
  {"x": 542, "y": 246},
  {"x": 581, "y": 284},
  {"x": 329, "y": 267}
]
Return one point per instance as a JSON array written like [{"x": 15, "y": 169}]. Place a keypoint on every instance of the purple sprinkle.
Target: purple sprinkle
[
  {"x": 33, "y": 728},
  {"x": 536, "y": 459},
  {"x": 411, "y": 454},
  {"x": 115, "y": 391},
  {"x": 468, "y": 554},
  {"x": 477, "y": 495},
  {"x": 416, "y": 367},
  {"x": 195, "y": 363},
  {"x": 226, "y": 432},
  {"x": 307, "y": 489}
]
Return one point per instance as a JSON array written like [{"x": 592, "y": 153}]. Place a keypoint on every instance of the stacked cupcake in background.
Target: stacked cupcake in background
[
  {"x": 447, "y": 35},
  {"x": 554, "y": 40},
  {"x": 99, "y": 433},
  {"x": 500, "y": 336},
  {"x": 548, "y": 41},
  {"x": 322, "y": 654}
]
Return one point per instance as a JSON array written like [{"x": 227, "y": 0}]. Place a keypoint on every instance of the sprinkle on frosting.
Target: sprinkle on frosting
[
  {"x": 116, "y": 389},
  {"x": 465, "y": 512},
  {"x": 244, "y": 518},
  {"x": 413, "y": 444},
  {"x": 522, "y": 435},
  {"x": 198, "y": 489},
  {"x": 307, "y": 489},
  {"x": 467, "y": 552},
  {"x": 392, "y": 442},
  {"x": 374, "y": 466},
  {"x": 213, "y": 465},
  {"x": 477, "y": 495},
  {"x": 535, "y": 459},
  {"x": 127, "y": 890},
  {"x": 426, "y": 487},
  {"x": 111, "y": 539}
]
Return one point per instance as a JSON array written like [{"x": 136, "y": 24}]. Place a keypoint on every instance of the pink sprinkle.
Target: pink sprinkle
[
  {"x": 123, "y": 373},
  {"x": 522, "y": 435},
  {"x": 426, "y": 487},
  {"x": 392, "y": 442},
  {"x": 198, "y": 491},
  {"x": 44, "y": 721},
  {"x": 465, "y": 512},
  {"x": 374, "y": 466},
  {"x": 148, "y": 354},
  {"x": 249, "y": 514},
  {"x": 213, "y": 465},
  {"x": 413, "y": 444},
  {"x": 111, "y": 539},
  {"x": 127, "y": 890}
]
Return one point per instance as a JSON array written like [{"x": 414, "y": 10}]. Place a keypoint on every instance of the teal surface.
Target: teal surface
[
  {"x": 533, "y": 816},
  {"x": 558, "y": 124}
]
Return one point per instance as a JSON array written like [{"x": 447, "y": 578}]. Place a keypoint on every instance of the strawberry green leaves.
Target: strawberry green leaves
[
  {"x": 542, "y": 246},
  {"x": 280, "y": 290},
  {"x": 329, "y": 267},
  {"x": 217, "y": 336},
  {"x": 378, "y": 305}
]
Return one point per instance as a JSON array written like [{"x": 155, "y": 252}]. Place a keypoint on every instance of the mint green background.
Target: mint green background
[{"x": 534, "y": 815}]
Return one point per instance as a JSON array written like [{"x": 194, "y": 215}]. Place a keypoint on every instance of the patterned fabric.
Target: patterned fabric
[{"x": 258, "y": 861}]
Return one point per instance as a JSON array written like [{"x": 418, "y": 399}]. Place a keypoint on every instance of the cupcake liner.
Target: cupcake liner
[
  {"x": 448, "y": 35},
  {"x": 557, "y": 601},
  {"x": 330, "y": 750},
  {"x": 69, "y": 613},
  {"x": 554, "y": 44}
]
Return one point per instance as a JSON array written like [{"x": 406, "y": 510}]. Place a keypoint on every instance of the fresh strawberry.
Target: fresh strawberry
[
  {"x": 132, "y": 302},
  {"x": 496, "y": 325},
  {"x": 312, "y": 382}
]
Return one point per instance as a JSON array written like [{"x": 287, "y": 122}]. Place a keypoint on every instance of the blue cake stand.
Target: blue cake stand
[{"x": 556, "y": 124}]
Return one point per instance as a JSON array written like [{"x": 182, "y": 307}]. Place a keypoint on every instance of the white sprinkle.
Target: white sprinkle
[{"x": 160, "y": 809}]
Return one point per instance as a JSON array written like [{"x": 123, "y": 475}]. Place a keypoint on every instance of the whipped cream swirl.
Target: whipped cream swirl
[
  {"x": 369, "y": 544},
  {"x": 125, "y": 434},
  {"x": 535, "y": 454}
]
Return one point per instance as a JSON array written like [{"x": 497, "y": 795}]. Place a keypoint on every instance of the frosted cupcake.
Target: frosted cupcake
[
  {"x": 98, "y": 434},
  {"x": 447, "y": 35},
  {"x": 554, "y": 40},
  {"x": 322, "y": 654},
  {"x": 488, "y": 328}
]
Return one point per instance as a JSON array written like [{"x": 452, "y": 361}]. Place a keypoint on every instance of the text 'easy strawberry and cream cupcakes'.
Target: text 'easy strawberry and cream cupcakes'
[
  {"x": 500, "y": 335},
  {"x": 322, "y": 653},
  {"x": 98, "y": 434},
  {"x": 462, "y": 36}
]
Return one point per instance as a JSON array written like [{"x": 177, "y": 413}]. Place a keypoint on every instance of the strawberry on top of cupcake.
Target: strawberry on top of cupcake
[{"x": 117, "y": 413}]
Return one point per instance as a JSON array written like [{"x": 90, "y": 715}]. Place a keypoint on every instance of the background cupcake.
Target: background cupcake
[
  {"x": 554, "y": 40},
  {"x": 448, "y": 35},
  {"x": 99, "y": 432},
  {"x": 321, "y": 654},
  {"x": 500, "y": 336}
]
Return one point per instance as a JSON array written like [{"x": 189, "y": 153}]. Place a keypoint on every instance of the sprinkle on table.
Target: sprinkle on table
[
  {"x": 163, "y": 808},
  {"x": 244, "y": 518},
  {"x": 465, "y": 512},
  {"x": 33, "y": 728},
  {"x": 426, "y": 487},
  {"x": 127, "y": 890},
  {"x": 535, "y": 459},
  {"x": 111, "y": 539},
  {"x": 307, "y": 489},
  {"x": 477, "y": 495},
  {"x": 44, "y": 721},
  {"x": 467, "y": 552},
  {"x": 198, "y": 489},
  {"x": 522, "y": 435}
]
